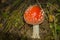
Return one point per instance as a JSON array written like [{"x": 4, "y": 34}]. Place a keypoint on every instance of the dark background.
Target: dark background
[{"x": 13, "y": 26}]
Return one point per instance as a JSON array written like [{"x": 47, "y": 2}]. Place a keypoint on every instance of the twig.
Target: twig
[{"x": 55, "y": 28}]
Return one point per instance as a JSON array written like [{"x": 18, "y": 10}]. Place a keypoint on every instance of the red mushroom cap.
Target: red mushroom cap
[{"x": 34, "y": 15}]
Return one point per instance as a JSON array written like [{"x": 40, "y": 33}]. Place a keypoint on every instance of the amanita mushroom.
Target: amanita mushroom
[{"x": 34, "y": 15}]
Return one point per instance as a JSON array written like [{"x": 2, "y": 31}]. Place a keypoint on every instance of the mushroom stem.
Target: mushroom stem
[{"x": 35, "y": 31}]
